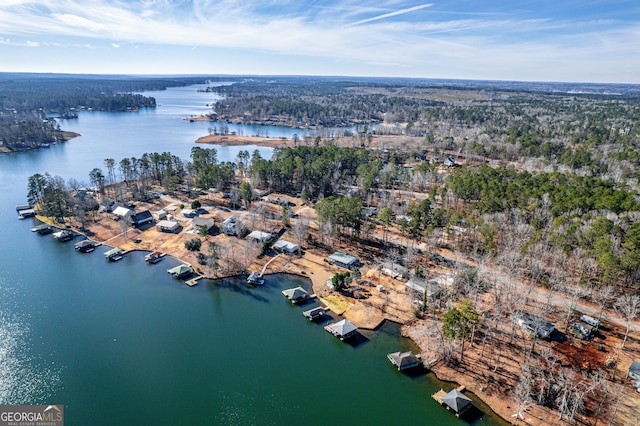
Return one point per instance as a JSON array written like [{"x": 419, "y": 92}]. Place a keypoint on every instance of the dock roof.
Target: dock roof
[
  {"x": 456, "y": 400},
  {"x": 342, "y": 328},
  {"x": 404, "y": 360}
]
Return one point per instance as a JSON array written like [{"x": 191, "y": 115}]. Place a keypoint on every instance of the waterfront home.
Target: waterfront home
[
  {"x": 286, "y": 247},
  {"x": 114, "y": 254},
  {"x": 168, "y": 226},
  {"x": 343, "y": 260},
  {"x": 139, "y": 219},
  {"x": 342, "y": 329},
  {"x": 296, "y": 295},
  {"x": 181, "y": 271},
  {"x": 85, "y": 246},
  {"x": 199, "y": 222},
  {"x": 259, "y": 236},
  {"x": 404, "y": 360}
]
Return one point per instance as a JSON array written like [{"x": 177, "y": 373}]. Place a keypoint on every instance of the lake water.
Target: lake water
[{"x": 125, "y": 344}]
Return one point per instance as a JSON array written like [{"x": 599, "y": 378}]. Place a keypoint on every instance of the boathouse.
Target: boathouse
[
  {"x": 43, "y": 229},
  {"x": 64, "y": 235},
  {"x": 343, "y": 260},
  {"x": 315, "y": 313},
  {"x": 296, "y": 295},
  {"x": 342, "y": 329},
  {"x": 404, "y": 360},
  {"x": 85, "y": 246},
  {"x": 456, "y": 401},
  {"x": 114, "y": 254},
  {"x": 181, "y": 271},
  {"x": 168, "y": 226}
]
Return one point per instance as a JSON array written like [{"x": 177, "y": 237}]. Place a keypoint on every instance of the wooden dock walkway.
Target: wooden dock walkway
[
  {"x": 267, "y": 264},
  {"x": 193, "y": 281}
]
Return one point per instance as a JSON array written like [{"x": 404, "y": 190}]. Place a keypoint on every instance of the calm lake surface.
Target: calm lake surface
[{"x": 125, "y": 344}]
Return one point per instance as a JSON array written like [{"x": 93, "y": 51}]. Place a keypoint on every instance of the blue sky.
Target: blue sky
[{"x": 587, "y": 41}]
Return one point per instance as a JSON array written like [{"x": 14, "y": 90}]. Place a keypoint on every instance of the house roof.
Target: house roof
[
  {"x": 122, "y": 211},
  {"x": 285, "y": 245},
  {"x": 343, "y": 258},
  {"x": 342, "y": 327},
  {"x": 259, "y": 235},
  {"x": 635, "y": 368},
  {"x": 142, "y": 216},
  {"x": 456, "y": 400},
  {"x": 404, "y": 359},
  {"x": 167, "y": 224},
  {"x": 202, "y": 221}
]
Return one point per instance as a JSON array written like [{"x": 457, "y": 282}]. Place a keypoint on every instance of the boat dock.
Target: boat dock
[
  {"x": 453, "y": 400},
  {"x": 314, "y": 314},
  {"x": 193, "y": 281}
]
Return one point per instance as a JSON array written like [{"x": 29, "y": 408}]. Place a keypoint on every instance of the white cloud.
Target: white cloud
[{"x": 391, "y": 14}]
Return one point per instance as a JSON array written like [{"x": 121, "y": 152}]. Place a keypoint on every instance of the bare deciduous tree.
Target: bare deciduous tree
[{"x": 628, "y": 306}]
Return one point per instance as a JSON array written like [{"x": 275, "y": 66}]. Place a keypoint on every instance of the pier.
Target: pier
[{"x": 193, "y": 281}]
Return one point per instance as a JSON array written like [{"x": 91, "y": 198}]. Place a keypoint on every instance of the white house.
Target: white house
[{"x": 286, "y": 246}]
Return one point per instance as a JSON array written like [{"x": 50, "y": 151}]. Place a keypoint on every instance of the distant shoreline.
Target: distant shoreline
[{"x": 234, "y": 140}]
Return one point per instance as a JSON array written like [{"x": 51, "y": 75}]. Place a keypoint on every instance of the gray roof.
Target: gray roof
[
  {"x": 456, "y": 400},
  {"x": 403, "y": 359},
  {"x": 342, "y": 327}
]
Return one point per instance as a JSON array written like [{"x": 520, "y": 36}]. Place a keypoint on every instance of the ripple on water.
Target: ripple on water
[{"x": 25, "y": 378}]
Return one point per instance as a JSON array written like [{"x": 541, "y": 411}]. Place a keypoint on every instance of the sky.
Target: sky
[{"x": 545, "y": 40}]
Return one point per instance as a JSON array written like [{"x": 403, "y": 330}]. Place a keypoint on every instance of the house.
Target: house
[
  {"x": 634, "y": 370},
  {"x": 229, "y": 226},
  {"x": 422, "y": 286},
  {"x": 394, "y": 270},
  {"x": 139, "y": 219},
  {"x": 450, "y": 162},
  {"x": 160, "y": 214},
  {"x": 121, "y": 212},
  {"x": 296, "y": 295},
  {"x": 343, "y": 260},
  {"x": 259, "y": 236},
  {"x": 533, "y": 324},
  {"x": 446, "y": 280},
  {"x": 199, "y": 222},
  {"x": 168, "y": 226},
  {"x": 189, "y": 213},
  {"x": 342, "y": 329},
  {"x": 404, "y": 360},
  {"x": 286, "y": 247}
]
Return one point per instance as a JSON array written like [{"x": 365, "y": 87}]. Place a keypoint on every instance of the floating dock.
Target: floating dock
[{"x": 193, "y": 281}]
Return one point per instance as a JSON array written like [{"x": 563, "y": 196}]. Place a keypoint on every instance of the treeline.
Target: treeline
[
  {"x": 28, "y": 102},
  {"x": 313, "y": 103}
]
